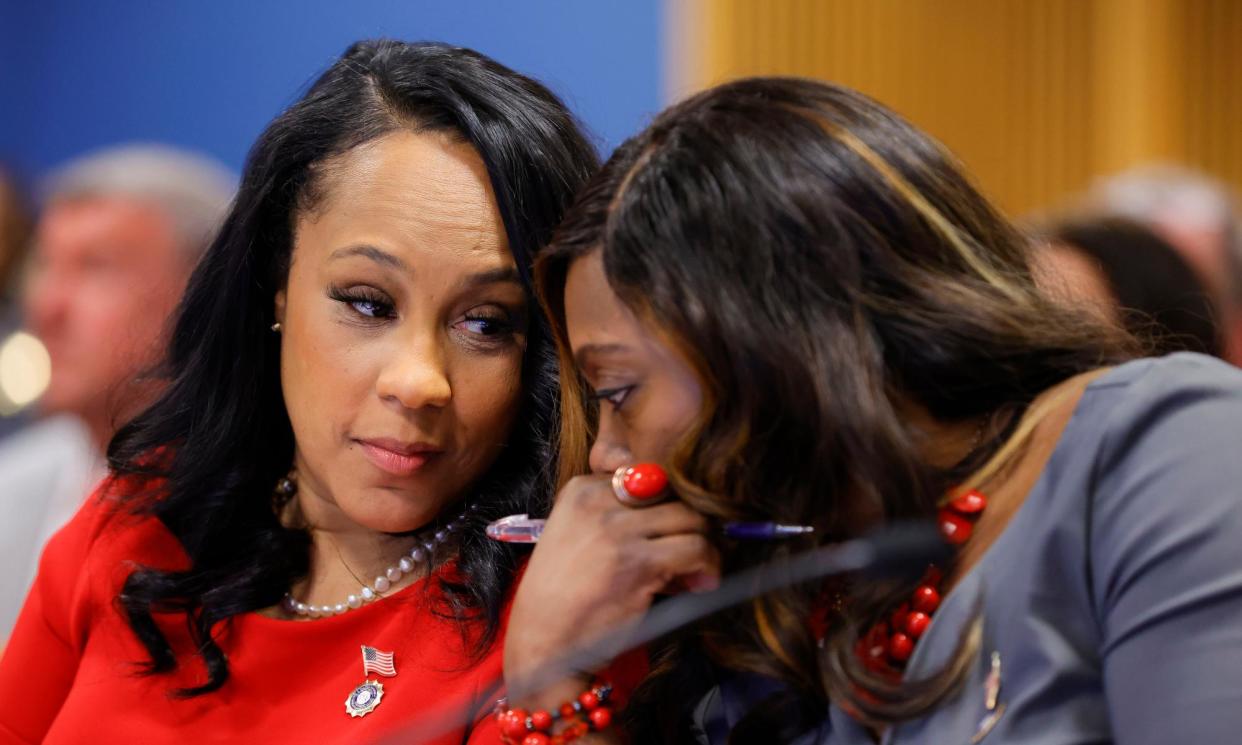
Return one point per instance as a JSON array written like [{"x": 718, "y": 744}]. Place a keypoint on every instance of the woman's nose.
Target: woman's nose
[
  {"x": 416, "y": 377},
  {"x": 609, "y": 451}
]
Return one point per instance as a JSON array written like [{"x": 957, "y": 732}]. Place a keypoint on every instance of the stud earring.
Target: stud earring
[{"x": 276, "y": 327}]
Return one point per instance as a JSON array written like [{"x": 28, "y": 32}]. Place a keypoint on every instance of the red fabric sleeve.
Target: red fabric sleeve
[
  {"x": 42, "y": 655},
  {"x": 485, "y": 730},
  {"x": 626, "y": 672}
]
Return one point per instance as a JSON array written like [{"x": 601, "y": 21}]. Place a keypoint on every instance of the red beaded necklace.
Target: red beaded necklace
[{"x": 887, "y": 646}]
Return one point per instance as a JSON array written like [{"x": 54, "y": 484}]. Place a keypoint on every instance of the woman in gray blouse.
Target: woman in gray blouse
[{"x": 798, "y": 305}]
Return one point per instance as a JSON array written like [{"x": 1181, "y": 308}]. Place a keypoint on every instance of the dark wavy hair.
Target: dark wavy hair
[
  {"x": 821, "y": 264},
  {"x": 213, "y": 446}
]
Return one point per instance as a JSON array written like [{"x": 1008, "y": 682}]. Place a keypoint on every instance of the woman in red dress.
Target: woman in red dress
[{"x": 291, "y": 545}]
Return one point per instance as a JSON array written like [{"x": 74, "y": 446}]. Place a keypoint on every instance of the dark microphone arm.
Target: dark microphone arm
[{"x": 900, "y": 549}]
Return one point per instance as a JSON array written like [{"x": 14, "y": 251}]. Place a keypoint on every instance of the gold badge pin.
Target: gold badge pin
[{"x": 364, "y": 699}]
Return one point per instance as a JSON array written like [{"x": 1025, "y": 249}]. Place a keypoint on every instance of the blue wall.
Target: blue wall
[{"x": 78, "y": 74}]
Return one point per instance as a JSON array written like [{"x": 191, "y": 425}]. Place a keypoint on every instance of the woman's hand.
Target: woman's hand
[{"x": 597, "y": 567}]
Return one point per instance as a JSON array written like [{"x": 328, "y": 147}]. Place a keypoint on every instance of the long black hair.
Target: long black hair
[
  {"x": 819, "y": 262},
  {"x": 212, "y": 447}
]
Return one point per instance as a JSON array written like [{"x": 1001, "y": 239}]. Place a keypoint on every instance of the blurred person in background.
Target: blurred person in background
[
  {"x": 1199, "y": 217},
  {"x": 120, "y": 231},
  {"x": 15, "y": 227},
  {"x": 1132, "y": 277}
]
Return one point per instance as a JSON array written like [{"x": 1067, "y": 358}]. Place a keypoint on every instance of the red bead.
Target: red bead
[
  {"x": 926, "y": 599},
  {"x": 970, "y": 503},
  {"x": 875, "y": 658},
  {"x": 574, "y": 731},
  {"x": 541, "y": 720},
  {"x": 900, "y": 647},
  {"x": 513, "y": 723},
  {"x": 916, "y": 624},
  {"x": 877, "y": 637},
  {"x": 955, "y": 528},
  {"x": 645, "y": 481},
  {"x": 535, "y": 738},
  {"x": 932, "y": 576},
  {"x": 588, "y": 700},
  {"x": 601, "y": 718},
  {"x": 872, "y": 649},
  {"x": 567, "y": 711},
  {"x": 897, "y": 621}
]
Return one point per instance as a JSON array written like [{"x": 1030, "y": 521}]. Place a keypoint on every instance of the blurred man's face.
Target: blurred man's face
[
  {"x": 106, "y": 276},
  {"x": 1204, "y": 245}
]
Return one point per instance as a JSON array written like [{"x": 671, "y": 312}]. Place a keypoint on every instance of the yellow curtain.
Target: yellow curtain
[{"x": 1035, "y": 96}]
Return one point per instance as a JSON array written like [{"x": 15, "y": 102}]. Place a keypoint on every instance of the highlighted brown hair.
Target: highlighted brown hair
[{"x": 817, "y": 260}]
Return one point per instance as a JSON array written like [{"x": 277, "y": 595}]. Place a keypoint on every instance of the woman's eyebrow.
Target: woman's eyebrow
[
  {"x": 492, "y": 276},
  {"x": 380, "y": 256},
  {"x": 586, "y": 353},
  {"x": 377, "y": 255}
]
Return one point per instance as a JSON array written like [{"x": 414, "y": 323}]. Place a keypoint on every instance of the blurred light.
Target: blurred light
[{"x": 25, "y": 370}]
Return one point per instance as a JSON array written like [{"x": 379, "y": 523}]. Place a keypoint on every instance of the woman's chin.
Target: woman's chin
[{"x": 387, "y": 511}]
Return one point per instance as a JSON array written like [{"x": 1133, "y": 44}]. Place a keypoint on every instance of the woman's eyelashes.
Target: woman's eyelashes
[
  {"x": 615, "y": 396},
  {"x": 488, "y": 324},
  {"x": 365, "y": 303},
  {"x": 491, "y": 328}
]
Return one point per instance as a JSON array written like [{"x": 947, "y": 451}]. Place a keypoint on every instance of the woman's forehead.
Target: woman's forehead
[{"x": 410, "y": 192}]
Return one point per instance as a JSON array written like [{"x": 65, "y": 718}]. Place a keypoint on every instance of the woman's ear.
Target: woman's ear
[{"x": 278, "y": 308}]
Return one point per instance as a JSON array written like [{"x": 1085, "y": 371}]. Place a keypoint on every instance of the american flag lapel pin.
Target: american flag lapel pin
[{"x": 367, "y": 696}]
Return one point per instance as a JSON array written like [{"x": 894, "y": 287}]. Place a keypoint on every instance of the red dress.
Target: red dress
[{"x": 69, "y": 675}]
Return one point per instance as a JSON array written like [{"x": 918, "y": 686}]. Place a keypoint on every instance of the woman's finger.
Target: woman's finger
[
  {"x": 687, "y": 557},
  {"x": 670, "y": 518}
]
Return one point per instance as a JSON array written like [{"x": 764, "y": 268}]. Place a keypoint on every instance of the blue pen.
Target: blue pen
[
  {"x": 523, "y": 529},
  {"x": 764, "y": 531}
]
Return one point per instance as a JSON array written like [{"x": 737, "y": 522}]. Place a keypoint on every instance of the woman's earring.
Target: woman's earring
[{"x": 276, "y": 327}]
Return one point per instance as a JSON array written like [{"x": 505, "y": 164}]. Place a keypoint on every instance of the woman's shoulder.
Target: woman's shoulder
[
  {"x": 1180, "y": 402},
  {"x": 1164, "y": 520},
  {"x": 109, "y": 535},
  {"x": 1154, "y": 378},
  {"x": 114, "y": 511},
  {"x": 86, "y": 562},
  {"x": 1166, "y": 476}
]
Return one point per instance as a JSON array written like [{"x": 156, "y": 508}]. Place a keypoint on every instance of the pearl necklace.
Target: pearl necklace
[{"x": 421, "y": 554}]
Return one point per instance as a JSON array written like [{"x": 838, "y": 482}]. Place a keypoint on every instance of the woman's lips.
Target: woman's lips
[{"x": 397, "y": 459}]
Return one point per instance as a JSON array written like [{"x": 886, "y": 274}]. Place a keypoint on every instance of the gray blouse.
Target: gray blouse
[{"x": 1112, "y": 602}]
